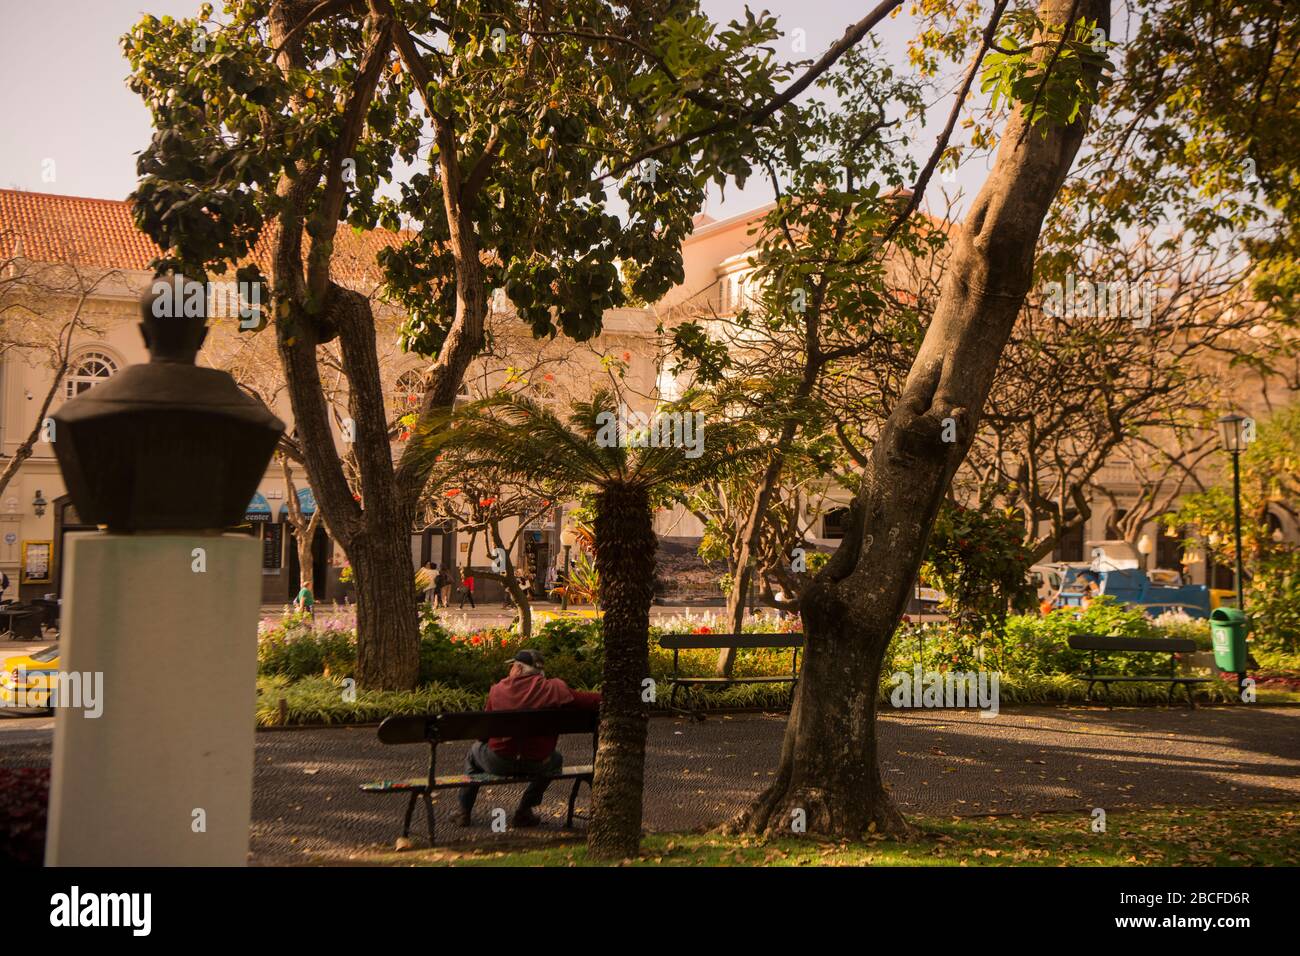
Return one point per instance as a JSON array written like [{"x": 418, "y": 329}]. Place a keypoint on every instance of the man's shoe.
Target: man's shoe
[{"x": 525, "y": 817}]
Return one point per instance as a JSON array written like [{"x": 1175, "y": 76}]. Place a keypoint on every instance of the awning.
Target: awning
[
  {"x": 306, "y": 501},
  {"x": 258, "y": 510}
]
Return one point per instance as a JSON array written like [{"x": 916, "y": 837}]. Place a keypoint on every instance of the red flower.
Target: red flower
[{"x": 452, "y": 492}]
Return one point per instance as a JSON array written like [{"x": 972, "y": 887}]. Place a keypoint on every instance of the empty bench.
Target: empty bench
[
  {"x": 435, "y": 729},
  {"x": 1172, "y": 646},
  {"x": 682, "y": 642}
]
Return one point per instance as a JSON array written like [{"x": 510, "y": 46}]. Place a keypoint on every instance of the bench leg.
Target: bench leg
[
  {"x": 410, "y": 809},
  {"x": 697, "y": 715},
  {"x": 428, "y": 815},
  {"x": 573, "y": 798}
]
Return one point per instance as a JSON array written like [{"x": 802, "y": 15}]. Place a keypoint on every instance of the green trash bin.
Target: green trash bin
[{"x": 1228, "y": 627}]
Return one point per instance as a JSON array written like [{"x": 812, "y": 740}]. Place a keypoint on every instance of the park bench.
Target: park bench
[
  {"x": 681, "y": 642},
  {"x": 1136, "y": 645},
  {"x": 435, "y": 729}
]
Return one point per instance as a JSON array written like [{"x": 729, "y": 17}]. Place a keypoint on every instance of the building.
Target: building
[{"x": 79, "y": 265}]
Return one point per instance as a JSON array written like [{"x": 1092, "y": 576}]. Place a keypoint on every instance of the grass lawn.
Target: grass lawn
[{"x": 1262, "y": 835}]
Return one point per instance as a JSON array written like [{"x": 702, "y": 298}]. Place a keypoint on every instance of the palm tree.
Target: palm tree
[{"x": 523, "y": 438}]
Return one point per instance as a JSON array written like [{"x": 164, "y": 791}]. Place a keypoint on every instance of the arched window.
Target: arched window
[
  {"x": 88, "y": 370},
  {"x": 408, "y": 391}
]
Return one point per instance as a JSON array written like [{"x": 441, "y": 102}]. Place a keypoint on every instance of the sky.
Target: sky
[{"x": 72, "y": 127}]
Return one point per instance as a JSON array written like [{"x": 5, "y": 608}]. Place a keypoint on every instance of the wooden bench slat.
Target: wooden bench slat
[
  {"x": 1150, "y": 679},
  {"x": 715, "y": 642},
  {"x": 1100, "y": 642},
  {"x": 464, "y": 779},
  {"x": 481, "y": 725},
  {"x": 733, "y": 680}
]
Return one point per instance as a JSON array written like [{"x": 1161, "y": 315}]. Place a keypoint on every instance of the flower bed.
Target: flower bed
[
  {"x": 24, "y": 798},
  {"x": 304, "y": 661}
]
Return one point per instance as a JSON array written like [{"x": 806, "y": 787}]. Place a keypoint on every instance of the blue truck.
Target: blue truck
[{"x": 1132, "y": 586}]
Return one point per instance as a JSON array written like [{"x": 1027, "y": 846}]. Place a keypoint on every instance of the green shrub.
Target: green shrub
[
  {"x": 568, "y": 635},
  {"x": 472, "y": 661},
  {"x": 321, "y": 700},
  {"x": 1273, "y": 602},
  {"x": 1178, "y": 625},
  {"x": 294, "y": 648}
]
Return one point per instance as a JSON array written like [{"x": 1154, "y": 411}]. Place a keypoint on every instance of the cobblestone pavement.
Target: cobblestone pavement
[{"x": 306, "y": 802}]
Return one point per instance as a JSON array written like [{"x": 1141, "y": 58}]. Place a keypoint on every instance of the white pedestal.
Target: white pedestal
[{"x": 177, "y": 649}]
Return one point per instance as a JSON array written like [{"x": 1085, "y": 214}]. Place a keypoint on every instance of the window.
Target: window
[
  {"x": 1169, "y": 549},
  {"x": 834, "y": 523},
  {"x": 408, "y": 391},
  {"x": 88, "y": 370},
  {"x": 1070, "y": 545}
]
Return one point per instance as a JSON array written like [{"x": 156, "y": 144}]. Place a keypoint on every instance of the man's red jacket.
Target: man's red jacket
[{"x": 534, "y": 692}]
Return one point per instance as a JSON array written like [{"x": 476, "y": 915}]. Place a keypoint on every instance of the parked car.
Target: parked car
[{"x": 25, "y": 679}]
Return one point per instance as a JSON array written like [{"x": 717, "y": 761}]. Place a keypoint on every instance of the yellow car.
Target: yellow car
[
  {"x": 570, "y": 614},
  {"x": 25, "y": 680}
]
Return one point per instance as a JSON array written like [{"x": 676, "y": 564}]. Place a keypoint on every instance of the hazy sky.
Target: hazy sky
[{"x": 65, "y": 97}]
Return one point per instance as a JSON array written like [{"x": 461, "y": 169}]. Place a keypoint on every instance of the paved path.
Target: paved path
[{"x": 940, "y": 763}]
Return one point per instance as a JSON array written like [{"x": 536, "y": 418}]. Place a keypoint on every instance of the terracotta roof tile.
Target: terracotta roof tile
[{"x": 100, "y": 232}]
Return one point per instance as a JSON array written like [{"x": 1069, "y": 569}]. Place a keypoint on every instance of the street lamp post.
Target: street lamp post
[
  {"x": 1232, "y": 430},
  {"x": 568, "y": 538}
]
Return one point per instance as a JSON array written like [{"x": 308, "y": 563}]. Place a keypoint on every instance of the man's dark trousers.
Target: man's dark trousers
[{"x": 483, "y": 759}]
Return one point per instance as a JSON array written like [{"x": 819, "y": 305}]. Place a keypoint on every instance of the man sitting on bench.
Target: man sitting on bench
[{"x": 526, "y": 687}]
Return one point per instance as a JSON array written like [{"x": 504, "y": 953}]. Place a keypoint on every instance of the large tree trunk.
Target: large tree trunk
[
  {"x": 828, "y": 765},
  {"x": 310, "y": 310},
  {"x": 387, "y": 615},
  {"x": 625, "y": 558}
]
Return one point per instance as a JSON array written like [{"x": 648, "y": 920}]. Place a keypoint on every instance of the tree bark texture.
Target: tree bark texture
[{"x": 625, "y": 558}]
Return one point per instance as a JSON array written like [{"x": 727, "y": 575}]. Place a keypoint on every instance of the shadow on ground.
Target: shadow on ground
[{"x": 937, "y": 763}]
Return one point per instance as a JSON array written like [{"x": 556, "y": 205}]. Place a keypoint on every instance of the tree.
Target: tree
[
  {"x": 43, "y": 307},
  {"x": 282, "y": 123},
  {"x": 479, "y": 499},
  {"x": 624, "y": 475},
  {"x": 829, "y": 768},
  {"x": 1270, "y": 488},
  {"x": 816, "y": 296},
  {"x": 304, "y": 527}
]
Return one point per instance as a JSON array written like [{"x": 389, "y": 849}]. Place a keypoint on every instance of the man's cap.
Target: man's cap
[{"x": 531, "y": 658}]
